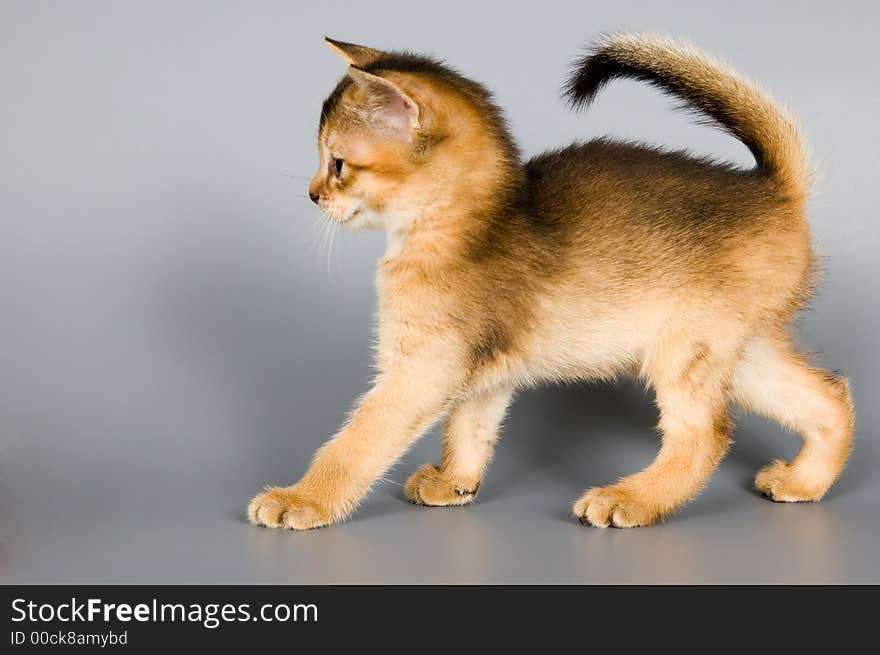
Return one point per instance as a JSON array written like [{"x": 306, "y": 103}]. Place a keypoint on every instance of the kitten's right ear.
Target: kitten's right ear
[{"x": 354, "y": 55}]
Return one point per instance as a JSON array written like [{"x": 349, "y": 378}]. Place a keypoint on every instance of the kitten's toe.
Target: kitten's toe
[
  {"x": 283, "y": 508},
  {"x": 428, "y": 486},
  {"x": 615, "y": 506}
]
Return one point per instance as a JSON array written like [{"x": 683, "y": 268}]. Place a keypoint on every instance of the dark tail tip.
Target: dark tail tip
[{"x": 589, "y": 74}]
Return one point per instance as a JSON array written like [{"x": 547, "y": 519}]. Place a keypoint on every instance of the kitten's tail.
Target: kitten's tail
[{"x": 729, "y": 99}]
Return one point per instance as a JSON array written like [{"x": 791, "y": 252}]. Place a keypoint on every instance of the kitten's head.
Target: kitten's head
[{"x": 399, "y": 135}]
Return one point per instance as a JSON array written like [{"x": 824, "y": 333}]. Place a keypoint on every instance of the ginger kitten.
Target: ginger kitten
[{"x": 586, "y": 262}]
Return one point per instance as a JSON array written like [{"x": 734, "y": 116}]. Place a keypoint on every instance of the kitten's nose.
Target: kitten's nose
[{"x": 313, "y": 196}]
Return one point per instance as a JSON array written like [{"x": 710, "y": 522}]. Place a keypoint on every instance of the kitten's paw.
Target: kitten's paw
[
  {"x": 283, "y": 507},
  {"x": 615, "y": 506},
  {"x": 783, "y": 483},
  {"x": 428, "y": 486}
]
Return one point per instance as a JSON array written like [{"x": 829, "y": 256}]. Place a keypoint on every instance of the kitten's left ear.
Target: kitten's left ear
[
  {"x": 387, "y": 103},
  {"x": 354, "y": 55}
]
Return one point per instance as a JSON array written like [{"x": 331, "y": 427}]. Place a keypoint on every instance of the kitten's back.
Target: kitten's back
[{"x": 634, "y": 189}]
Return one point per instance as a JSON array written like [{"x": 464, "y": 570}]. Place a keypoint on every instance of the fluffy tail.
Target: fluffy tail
[{"x": 731, "y": 101}]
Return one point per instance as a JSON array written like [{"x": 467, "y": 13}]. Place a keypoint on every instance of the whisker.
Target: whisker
[
  {"x": 317, "y": 225},
  {"x": 314, "y": 245},
  {"x": 325, "y": 236},
  {"x": 340, "y": 237},
  {"x": 333, "y": 233}
]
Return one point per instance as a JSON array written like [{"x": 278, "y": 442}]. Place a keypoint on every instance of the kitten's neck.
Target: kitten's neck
[
  {"x": 395, "y": 237},
  {"x": 458, "y": 203},
  {"x": 440, "y": 237}
]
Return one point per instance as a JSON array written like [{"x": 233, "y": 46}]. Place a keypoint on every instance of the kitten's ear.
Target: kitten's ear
[
  {"x": 354, "y": 55},
  {"x": 387, "y": 104}
]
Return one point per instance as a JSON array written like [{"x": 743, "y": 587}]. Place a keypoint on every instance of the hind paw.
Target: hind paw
[{"x": 428, "y": 486}]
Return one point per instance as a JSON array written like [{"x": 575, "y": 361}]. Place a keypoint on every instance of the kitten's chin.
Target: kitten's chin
[
  {"x": 363, "y": 217},
  {"x": 350, "y": 220},
  {"x": 352, "y": 216}
]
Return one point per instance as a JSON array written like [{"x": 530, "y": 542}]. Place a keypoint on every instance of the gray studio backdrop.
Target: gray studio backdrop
[{"x": 176, "y": 331}]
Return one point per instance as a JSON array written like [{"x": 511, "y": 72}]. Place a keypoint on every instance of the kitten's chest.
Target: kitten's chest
[{"x": 414, "y": 313}]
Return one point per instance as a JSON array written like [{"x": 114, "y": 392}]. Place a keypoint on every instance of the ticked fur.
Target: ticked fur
[{"x": 586, "y": 262}]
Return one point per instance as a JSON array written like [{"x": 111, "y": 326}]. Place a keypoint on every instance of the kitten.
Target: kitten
[{"x": 583, "y": 263}]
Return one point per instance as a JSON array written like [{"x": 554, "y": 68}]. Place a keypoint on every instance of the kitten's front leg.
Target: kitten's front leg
[
  {"x": 392, "y": 415},
  {"x": 469, "y": 438}
]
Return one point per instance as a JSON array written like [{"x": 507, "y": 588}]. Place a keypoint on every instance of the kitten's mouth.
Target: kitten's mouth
[{"x": 348, "y": 218}]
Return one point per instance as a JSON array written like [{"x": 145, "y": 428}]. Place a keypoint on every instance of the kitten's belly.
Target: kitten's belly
[
  {"x": 575, "y": 342},
  {"x": 586, "y": 350},
  {"x": 580, "y": 341}
]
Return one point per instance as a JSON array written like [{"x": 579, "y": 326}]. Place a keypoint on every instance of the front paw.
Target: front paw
[
  {"x": 284, "y": 507},
  {"x": 428, "y": 486},
  {"x": 616, "y": 506}
]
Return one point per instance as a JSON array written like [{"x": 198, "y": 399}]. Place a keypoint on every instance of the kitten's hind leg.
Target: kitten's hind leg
[
  {"x": 773, "y": 380},
  {"x": 469, "y": 437},
  {"x": 690, "y": 381}
]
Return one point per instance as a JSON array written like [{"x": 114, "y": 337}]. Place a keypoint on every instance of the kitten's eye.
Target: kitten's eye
[{"x": 337, "y": 164}]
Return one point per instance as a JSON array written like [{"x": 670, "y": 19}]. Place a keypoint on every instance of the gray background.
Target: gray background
[{"x": 177, "y": 334}]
